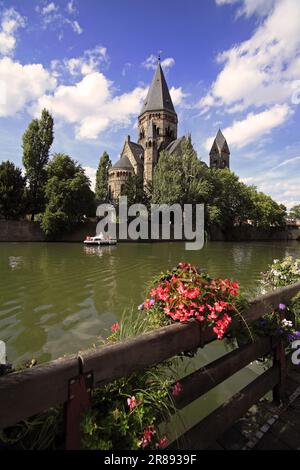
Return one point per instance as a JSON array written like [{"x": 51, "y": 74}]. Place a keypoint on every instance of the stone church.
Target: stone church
[{"x": 157, "y": 131}]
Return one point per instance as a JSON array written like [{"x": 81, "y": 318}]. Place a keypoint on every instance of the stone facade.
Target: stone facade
[{"x": 157, "y": 131}]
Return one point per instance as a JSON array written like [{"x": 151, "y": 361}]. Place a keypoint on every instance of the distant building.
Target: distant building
[{"x": 157, "y": 131}]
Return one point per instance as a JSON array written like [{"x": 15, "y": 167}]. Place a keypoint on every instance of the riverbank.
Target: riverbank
[{"x": 27, "y": 231}]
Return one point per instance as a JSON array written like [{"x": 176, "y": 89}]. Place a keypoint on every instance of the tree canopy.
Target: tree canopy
[
  {"x": 12, "y": 191},
  {"x": 295, "y": 212},
  {"x": 101, "y": 189},
  {"x": 37, "y": 141},
  {"x": 69, "y": 199}
]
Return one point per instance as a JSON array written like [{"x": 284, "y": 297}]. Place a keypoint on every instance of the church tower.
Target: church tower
[
  {"x": 219, "y": 156},
  {"x": 157, "y": 123}
]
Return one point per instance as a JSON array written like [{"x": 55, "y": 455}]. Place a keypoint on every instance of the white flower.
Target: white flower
[{"x": 286, "y": 322}]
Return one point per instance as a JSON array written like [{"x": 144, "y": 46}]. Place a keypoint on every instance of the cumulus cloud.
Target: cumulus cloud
[
  {"x": 177, "y": 95},
  {"x": 11, "y": 21},
  {"x": 91, "y": 106},
  {"x": 50, "y": 8},
  {"x": 151, "y": 62},
  {"x": 248, "y": 130},
  {"x": 90, "y": 61},
  {"x": 21, "y": 85},
  {"x": 262, "y": 70}
]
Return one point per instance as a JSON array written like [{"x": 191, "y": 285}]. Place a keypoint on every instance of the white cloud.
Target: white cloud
[
  {"x": 71, "y": 8},
  {"x": 177, "y": 95},
  {"x": 244, "y": 132},
  {"x": 91, "y": 173},
  {"x": 91, "y": 61},
  {"x": 290, "y": 161},
  {"x": 151, "y": 62},
  {"x": 23, "y": 84},
  {"x": 262, "y": 70},
  {"x": 250, "y": 7},
  {"x": 50, "y": 8},
  {"x": 91, "y": 106},
  {"x": 52, "y": 17},
  {"x": 11, "y": 21}
]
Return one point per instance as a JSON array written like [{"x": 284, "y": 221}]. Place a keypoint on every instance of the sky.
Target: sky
[{"x": 229, "y": 64}]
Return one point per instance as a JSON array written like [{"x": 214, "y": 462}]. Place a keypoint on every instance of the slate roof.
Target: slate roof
[
  {"x": 221, "y": 143},
  {"x": 137, "y": 151},
  {"x": 158, "y": 97},
  {"x": 175, "y": 145},
  {"x": 123, "y": 163}
]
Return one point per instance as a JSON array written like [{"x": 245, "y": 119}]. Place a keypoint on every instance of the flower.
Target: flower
[
  {"x": 286, "y": 322},
  {"x": 147, "y": 436},
  {"x": 115, "y": 327},
  {"x": 141, "y": 307},
  {"x": 131, "y": 402},
  {"x": 282, "y": 306},
  {"x": 161, "y": 443},
  {"x": 176, "y": 389}
]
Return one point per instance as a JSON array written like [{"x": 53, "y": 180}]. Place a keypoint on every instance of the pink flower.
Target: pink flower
[
  {"x": 131, "y": 402},
  {"x": 161, "y": 443},
  {"x": 115, "y": 327},
  {"x": 176, "y": 389},
  {"x": 147, "y": 436}
]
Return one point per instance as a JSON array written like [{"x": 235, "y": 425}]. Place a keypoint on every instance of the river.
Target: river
[{"x": 57, "y": 298}]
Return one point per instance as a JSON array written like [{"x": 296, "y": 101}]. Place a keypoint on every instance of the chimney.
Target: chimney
[{"x": 128, "y": 138}]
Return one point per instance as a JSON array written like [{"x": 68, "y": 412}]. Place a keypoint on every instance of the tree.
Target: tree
[
  {"x": 12, "y": 191},
  {"x": 180, "y": 178},
  {"x": 101, "y": 189},
  {"x": 69, "y": 199},
  {"x": 266, "y": 212},
  {"x": 37, "y": 141},
  {"x": 134, "y": 191},
  {"x": 295, "y": 212}
]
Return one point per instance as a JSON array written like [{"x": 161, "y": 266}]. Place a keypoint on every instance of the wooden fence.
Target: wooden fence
[{"x": 69, "y": 380}]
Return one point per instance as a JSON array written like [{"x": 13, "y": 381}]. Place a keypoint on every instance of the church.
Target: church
[{"x": 157, "y": 131}]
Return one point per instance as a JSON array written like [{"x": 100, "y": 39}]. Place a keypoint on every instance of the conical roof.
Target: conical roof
[
  {"x": 220, "y": 142},
  {"x": 124, "y": 163},
  {"x": 158, "y": 98}
]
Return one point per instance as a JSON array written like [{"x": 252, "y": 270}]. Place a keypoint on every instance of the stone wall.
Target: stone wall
[{"x": 27, "y": 231}]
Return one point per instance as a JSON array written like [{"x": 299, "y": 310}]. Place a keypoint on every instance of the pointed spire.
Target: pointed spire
[
  {"x": 220, "y": 143},
  {"x": 158, "y": 97}
]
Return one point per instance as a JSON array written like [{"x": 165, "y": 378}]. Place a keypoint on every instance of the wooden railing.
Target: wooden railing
[{"x": 69, "y": 380}]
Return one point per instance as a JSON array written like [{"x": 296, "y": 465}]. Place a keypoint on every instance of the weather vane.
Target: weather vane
[{"x": 158, "y": 55}]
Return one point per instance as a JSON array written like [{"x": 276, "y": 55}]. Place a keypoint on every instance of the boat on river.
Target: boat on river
[{"x": 100, "y": 240}]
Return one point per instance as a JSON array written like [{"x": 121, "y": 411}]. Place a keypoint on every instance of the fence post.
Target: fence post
[
  {"x": 279, "y": 359},
  {"x": 79, "y": 398}
]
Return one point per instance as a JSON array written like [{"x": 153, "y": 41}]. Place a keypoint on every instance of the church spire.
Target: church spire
[{"x": 158, "y": 98}]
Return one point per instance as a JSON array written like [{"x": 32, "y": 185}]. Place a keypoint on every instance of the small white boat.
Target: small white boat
[{"x": 99, "y": 240}]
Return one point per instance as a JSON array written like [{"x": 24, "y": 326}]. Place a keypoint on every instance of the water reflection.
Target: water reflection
[{"x": 56, "y": 298}]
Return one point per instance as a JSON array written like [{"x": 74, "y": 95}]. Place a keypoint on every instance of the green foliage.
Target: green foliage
[
  {"x": 295, "y": 212},
  {"x": 265, "y": 212},
  {"x": 180, "y": 178},
  {"x": 12, "y": 191},
  {"x": 37, "y": 141},
  {"x": 69, "y": 199},
  {"x": 134, "y": 191},
  {"x": 101, "y": 189}
]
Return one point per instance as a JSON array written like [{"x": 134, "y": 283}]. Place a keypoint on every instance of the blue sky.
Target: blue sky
[{"x": 233, "y": 64}]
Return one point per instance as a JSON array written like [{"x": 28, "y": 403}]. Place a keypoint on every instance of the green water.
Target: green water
[{"x": 57, "y": 298}]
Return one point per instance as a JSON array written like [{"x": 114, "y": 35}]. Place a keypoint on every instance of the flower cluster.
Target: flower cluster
[
  {"x": 148, "y": 436},
  {"x": 185, "y": 293}
]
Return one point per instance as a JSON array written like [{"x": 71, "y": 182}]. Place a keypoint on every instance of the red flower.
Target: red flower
[
  {"x": 115, "y": 327},
  {"x": 176, "y": 389},
  {"x": 161, "y": 443},
  {"x": 147, "y": 436}
]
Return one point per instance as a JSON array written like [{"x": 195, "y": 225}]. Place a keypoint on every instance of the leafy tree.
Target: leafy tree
[
  {"x": 266, "y": 212},
  {"x": 295, "y": 212},
  {"x": 102, "y": 177},
  {"x": 12, "y": 191},
  {"x": 229, "y": 203},
  {"x": 37, "y": 141},
  {"x": 180, "y": 178},
  {"x": 69, "y": 199},
  {"x": 135, "y": 191}
]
